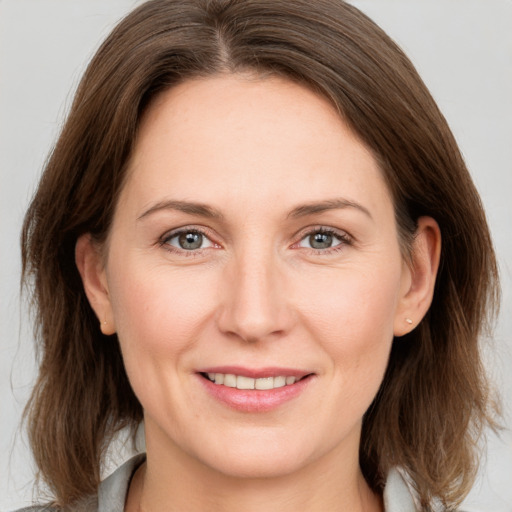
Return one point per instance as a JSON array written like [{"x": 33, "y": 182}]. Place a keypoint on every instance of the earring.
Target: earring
[
  {"x": 103, "y": 326},
  {"x": 408, "y": 320}
]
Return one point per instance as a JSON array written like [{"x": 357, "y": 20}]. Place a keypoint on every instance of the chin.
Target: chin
[
  {"x": 256, "y": 459},
  {"x": 258, "y": 467}
]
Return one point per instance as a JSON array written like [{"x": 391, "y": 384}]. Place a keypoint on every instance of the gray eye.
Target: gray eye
[
  {"x": 189, "y": 241},
  {"x": 320, "y": 240}
]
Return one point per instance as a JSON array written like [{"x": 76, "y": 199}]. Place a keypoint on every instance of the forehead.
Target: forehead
[{"x": 262, "y": 139}]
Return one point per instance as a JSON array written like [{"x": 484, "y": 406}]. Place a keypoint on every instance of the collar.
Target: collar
[
  {"x": 398, "y": 496},
  {"x": 112, "y": 492}
]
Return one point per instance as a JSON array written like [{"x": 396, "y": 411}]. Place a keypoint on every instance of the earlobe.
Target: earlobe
[
  {"x": 418, "y": 291},
  {"x": 91, "y": 267}
]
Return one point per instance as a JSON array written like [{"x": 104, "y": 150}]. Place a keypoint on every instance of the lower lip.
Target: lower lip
[{"x": 255, "y": 400}]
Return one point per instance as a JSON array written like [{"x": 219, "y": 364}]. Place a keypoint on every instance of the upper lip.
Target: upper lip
[{"x": 257, "y": 373}]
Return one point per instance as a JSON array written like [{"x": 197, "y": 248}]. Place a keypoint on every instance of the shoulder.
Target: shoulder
[
  {"x": 89, "y": 504},
  {"x": 400, "y": 496},
  {"x": 111, "y": 493},
  {"x": 37, "y": 508}
]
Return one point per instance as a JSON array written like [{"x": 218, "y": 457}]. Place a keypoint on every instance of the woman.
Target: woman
[{"x": 256, "y": 233}]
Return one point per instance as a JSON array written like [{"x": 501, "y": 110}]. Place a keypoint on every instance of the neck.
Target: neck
[{"x": 175, "y": 482}]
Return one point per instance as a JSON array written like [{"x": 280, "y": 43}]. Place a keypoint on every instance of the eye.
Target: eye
[
  {"x": 188, "y": 240},
  {"x": 323, "y": 239}
]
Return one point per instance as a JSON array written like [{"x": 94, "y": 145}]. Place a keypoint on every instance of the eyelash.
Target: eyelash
[
  {"x": 344, "y": 238},
  {"x": 165, "y": 239}
]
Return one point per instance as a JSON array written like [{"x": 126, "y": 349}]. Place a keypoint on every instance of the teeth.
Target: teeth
[
  {"x": 242, "y": 382},
  {"x": 265, "y": 383},
  {"x": 230, "y": 380},
  {"x": 279, "y": 382}
]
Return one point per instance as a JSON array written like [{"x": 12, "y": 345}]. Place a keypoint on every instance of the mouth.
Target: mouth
[
  {"x": 243, "y": 382},
  {"x": 254, "y": 391}
]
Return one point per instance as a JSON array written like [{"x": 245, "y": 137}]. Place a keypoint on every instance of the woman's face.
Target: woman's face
[{"x": 254, "y": 245}]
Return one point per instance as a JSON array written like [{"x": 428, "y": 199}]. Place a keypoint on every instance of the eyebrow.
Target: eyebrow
[
  {"x": 191, "y": 208},
  {"x": 330, "y": 204},
  {"x": 206, "y": 211}
]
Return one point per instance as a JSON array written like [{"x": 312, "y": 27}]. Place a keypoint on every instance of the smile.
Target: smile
[
  {"x": 243, "y": 382},
  {"x": 263, "y": 391}
]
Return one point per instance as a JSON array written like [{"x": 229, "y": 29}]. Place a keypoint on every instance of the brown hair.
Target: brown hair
[{"x": 433, "y": 402}]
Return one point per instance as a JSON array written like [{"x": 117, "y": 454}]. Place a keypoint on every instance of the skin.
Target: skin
[{"x": 255, "y": 151}]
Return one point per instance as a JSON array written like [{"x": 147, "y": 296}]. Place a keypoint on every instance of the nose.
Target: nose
[{"x": 255, "y": 303}]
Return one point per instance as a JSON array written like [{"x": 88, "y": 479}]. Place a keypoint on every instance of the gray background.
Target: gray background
[{"x": 463, "y": 50}]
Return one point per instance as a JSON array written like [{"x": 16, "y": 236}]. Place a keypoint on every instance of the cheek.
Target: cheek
[
  {"x": 160, "y": 315},
  {"x": 351, "y": 313},
  {"x": 349, "y": 302},
  {"x": 158, "y": 311}
]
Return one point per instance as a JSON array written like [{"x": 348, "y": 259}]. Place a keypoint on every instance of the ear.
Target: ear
[
  {"x": 419, "y": 276},
  {"x": 90, "y": 264}
]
